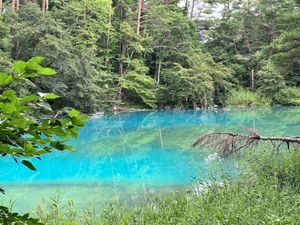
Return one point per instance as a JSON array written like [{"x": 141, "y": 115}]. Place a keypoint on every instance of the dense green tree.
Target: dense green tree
[
  {"x": 269, "y": 80},
  {"x": 199, "y": 83},
  {"x": 284, "y": 51},
  {"x": 79, "y": 83},
  {"x": 104, "y": 60}
]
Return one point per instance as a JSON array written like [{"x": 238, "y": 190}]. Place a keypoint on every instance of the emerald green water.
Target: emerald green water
[{"x": 130, "y": 156}]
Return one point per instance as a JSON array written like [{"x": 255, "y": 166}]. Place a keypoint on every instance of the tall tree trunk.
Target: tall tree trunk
[
  {"x": 85, "y": 9},
  {"x": 186, "y": 5},
  {"x": 157, "y": 70},
  {"x": 192, "y": 9},
  {"x": 140, "y": 9},
  {"x": 0, "y": 6},
  {"x": 273, "y": 32},
  {"x": 252, "y": 80},
  {"x": 18, "y": 49},
  {"x": 44, "y": 6},
  {"x": 107, "y": 51},
  {"x": 122, "y": 52},
  {"x": 235, "y": 48},
  {"x": 205, "y": 102},
  {"x": 122, "y": 48},
  {"x": 17, "y": 4},
  {"x": 13, "y": 4}
]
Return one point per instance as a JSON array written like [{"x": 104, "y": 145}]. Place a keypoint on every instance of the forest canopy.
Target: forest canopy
[{"x": 155, "y": 53}]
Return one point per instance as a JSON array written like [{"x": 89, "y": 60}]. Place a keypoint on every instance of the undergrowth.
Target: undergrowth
[
  {"x": 245, "y": 98},
  {"x": 268, "y": 192}
]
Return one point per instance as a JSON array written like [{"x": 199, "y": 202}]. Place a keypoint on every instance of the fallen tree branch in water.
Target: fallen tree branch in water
[{"x": 228, "y": 143}]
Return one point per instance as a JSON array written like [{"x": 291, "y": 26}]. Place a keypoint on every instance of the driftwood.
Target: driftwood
[{"x": 228, "y": 143}]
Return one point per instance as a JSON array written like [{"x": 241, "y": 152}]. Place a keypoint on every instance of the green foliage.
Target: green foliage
[
  {"x": 269, "y": 27},
  {"x": 284, "y": 51},
  {"x": 23, "y": 135},
  {"x": 102, "y": 60},
  {"x": 288, "y": 96},
  {"x": 245, "y": 98},
  {"x": 271, "y": 182},
  {"x": 80, "y": 83},
  {"x": 279, "y": 170},
  {"x": 7, "y": 217},
  {"x": 270, "y": 81},
  {"x": 199, "y": 83},
  {"x": 142, "y": 86}
]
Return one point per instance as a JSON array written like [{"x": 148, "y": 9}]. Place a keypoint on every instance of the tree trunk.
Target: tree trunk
[
  {"x": 13, "y": 3},
  {"x": 252, "y": 80},
  {"x": 85, "y": 9},
  {"x": 17, "y": 4},
  {"x": 194, "y": 105},
  {"x": 122, "y": 57},
  {"x": 107, "y": 51},
  {"x": 140, "y": 8},
  {"x": 186, "y": 6},
  {"x": 192, "y": 9},
  {"x": 18, "y": 49},
  {"x": 44, "y": 6},
  {"x": 0, "y": 6},
  {"x": 122, "y": 49},
  {"x": 157, "y": 70},
  {"x": 273, "y": 32},
  {"x": 205, "y": 101},
  {"x": 235, "y": 48}
]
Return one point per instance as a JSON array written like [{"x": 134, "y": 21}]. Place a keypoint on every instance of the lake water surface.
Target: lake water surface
[{"x": 130, "y": 156}]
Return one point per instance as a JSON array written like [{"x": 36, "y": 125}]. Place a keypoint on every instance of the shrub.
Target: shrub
[
  {"x": 245, "y": 98},
  {"x": 288, "y": 96},
  {"x": 269, "y": 81},
  {"x": 268, "y": 192}
]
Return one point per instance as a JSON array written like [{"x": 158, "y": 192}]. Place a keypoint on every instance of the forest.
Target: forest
[
  {"x": 102, "y": 100},
  {"x": 157, "y": 54}
]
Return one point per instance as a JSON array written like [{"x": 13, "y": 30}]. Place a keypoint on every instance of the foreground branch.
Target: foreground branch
[{"x": 228, "y": 143}]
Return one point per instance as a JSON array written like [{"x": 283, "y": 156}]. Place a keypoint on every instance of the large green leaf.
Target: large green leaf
[
  {"x": 5, "y": 79},
  {"x": 47, "y": 96},
  {"x": 20, "y": 66},
  {"x": 7, "y": 108},
  {"x": 73, "y": 113},
  {"x": 46, "y": 71},
  {"x": 35, "y": 60},
  {"x": 29, "y": 98}
]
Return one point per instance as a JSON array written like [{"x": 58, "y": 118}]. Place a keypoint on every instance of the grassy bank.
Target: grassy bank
[{"x": 268, "y": 192}]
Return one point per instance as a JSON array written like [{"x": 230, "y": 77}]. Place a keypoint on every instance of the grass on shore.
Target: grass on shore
[{"x": 268, "y": 192}]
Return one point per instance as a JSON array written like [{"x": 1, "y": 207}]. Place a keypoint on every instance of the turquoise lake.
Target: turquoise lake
[{"x": 130, "y": 156}]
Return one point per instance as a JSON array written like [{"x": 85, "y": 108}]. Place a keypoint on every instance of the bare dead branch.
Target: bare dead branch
[{"x": 228, "y": 143}]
